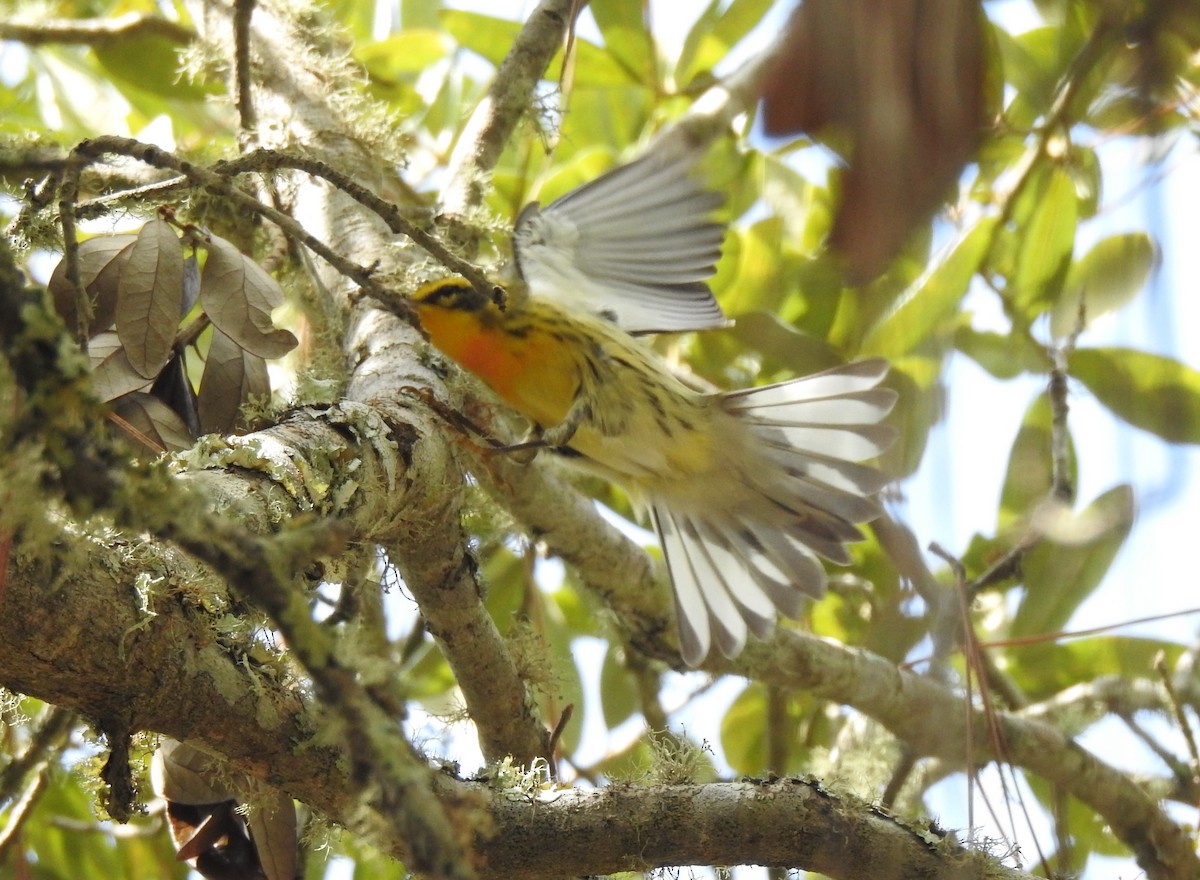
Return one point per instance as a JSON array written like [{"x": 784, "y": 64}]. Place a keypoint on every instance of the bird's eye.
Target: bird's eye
[{"x": 445, "y": 293}]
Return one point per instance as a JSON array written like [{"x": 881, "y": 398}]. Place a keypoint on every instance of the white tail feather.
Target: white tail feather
[{"x": 799, "y": 492}]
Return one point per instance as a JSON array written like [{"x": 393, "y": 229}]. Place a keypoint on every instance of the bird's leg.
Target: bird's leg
[
  {"x": 553, "y": 437},
  {"x": 522, "y": 451}
]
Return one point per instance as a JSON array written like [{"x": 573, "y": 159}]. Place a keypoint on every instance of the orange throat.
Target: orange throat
[{"x": 531, "y": 370}]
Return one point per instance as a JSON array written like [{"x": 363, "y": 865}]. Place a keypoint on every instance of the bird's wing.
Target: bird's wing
[{"x": 636, "y": 245}]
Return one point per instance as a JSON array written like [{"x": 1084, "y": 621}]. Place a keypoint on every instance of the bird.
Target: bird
[{"x": 747, "y": 489}]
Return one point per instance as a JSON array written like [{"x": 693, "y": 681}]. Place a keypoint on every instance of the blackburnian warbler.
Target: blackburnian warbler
[{"x": 746, "y": 488}]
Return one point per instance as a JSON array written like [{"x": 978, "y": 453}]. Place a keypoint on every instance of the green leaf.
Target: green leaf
[
  {"x": 934, "y": 300},
  {"x": 1084, "y": 167},
  {"x": 1044, "y": 255},
  {"x": 407, "y": 53},
  {"x": 715, "y": 34},
  {"x": 485, "y": 35},
  {"x": 610, "y": 117},
  {"x": 618, "y": 690},
  {"x": 686, "y": 62},
  {"x": 151, "y": 64},
  {"x": 756, "y": 284},
  {"x": 622, "y": 23},
  {"x": 1030, "y": 66},
  {"x": 596, "y": 66},
  {"x": 1068, "y": 563},
  {"x": 1004, "y": 355},
  {"x": 1108, "y": 277},
  {"x": 1152, "y": 392},
  {"x": 1029, "y": 477},
  {"x": 418, "y": 13},
  {"x": 1041, "y": 669},
  {"x": 1088, "y": 831},
  {"x": 921, "y": 406},
  {"x": 782, "y": 345},
  {"x": 743, "y": 731}
]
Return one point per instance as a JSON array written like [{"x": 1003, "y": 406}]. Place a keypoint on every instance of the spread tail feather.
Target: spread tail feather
[{"x": 733, "y": 567}]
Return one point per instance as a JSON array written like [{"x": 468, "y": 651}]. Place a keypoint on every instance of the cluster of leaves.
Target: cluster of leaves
[{"x": 137, "y": 318}]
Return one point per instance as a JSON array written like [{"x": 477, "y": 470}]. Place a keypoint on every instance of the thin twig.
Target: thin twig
[
  {"x": 68, "y": 191},
  {"x": 1192, "y": 776},
  {"x": 265, "y": 160},
  {"x": 94, "y": 31},
  {"x": 1062, "y": 488},
  {"x": 93, "y": 150},
  {"x": 243, "y": 10}
]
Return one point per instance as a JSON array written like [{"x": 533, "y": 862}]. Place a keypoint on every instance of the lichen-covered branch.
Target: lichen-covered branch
[
  {"x": 929, "y": 719},
  {"x": 386, "y": 355},
  {"x": 507, "y": 99},
  {"x": 786, "y": 823}
]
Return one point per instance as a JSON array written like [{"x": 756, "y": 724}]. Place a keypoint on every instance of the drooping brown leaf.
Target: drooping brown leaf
[
  {"x": 150, "y": 296},
  {"x": 902, "y": 82},
  {"x": 273, "y": 829},
  {"x": 182, "y": 773},
  {"x": 145, "y": 419},
  {"x": 231, "y": 376},
  {"x": 100, "y": 259},
  {"x": 238, "y": 296},
  {"x": 112, "y": 374}
]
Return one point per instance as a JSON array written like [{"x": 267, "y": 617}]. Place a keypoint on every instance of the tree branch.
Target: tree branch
[
  {"x": 929, "y": 718},
  {"x": 787, "y": 823},
  {"x": 94, "y": 31},
  {"x": 508, "y": 98}
]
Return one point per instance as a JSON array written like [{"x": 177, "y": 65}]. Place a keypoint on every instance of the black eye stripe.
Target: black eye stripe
[{"x": 452, "y": 293}]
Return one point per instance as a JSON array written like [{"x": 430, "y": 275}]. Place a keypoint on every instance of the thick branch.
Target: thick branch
[
  {"x": 929, "y": 718},
  {"x": 93, "y": 649},
  {"x": 420, "y": 499},
  {"x": 786, "y": 823}
]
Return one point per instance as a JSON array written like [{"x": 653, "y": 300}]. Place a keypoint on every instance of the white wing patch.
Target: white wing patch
[{"x": 637, "y": 243}]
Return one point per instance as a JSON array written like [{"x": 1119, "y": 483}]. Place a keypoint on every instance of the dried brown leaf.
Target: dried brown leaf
[
  {"x": 207, "y": 826},
  {"x": 273, "y": 829},
  {"x": 112, "y": 374},
  {"x": 231, "y": 376},
  {"x": 182, "y": 773},
  {"x": 191, "y": 284},
  {"x": 98, "y": 272},
  {"x": 238, "y": 296},
  {"x": 150, "y": 297},
  {"x": 151, "y": 422}
]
